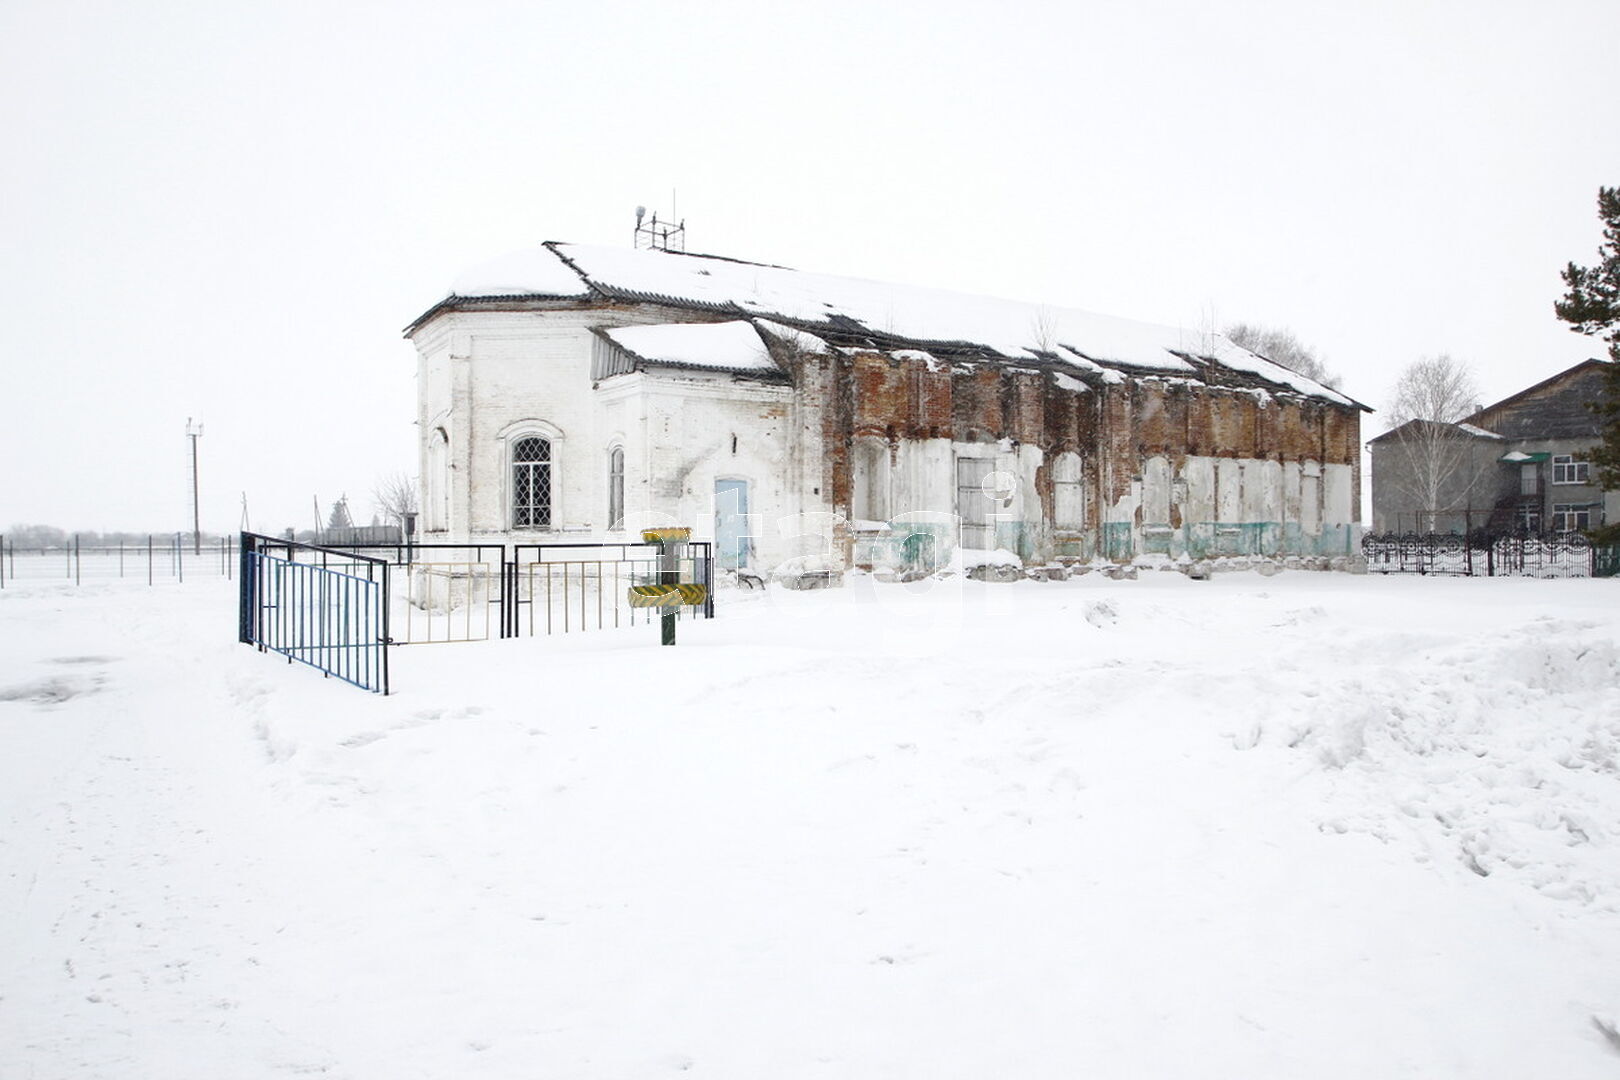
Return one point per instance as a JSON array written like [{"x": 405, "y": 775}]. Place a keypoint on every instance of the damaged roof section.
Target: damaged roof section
[
  {"x": 856, "y": 313},
  {"x": 734, "y": 347}
]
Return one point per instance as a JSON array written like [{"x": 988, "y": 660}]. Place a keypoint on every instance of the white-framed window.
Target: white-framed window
[
  {"x": 1528, "y": 518},
  {"x": 1571, "y": 517},
  {"x": 1068, "y": 498},
  {"x": 531, "y": 482},
  {"x": 1568, "y": 470},
  {"x": 616, "y": 488}
]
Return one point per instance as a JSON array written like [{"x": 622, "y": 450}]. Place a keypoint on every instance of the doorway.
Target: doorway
[
  {"x": 973, "y": 502},
  {"x": 731, "y": 540}
]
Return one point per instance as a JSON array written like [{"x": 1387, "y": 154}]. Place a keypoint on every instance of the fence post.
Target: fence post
[
  {"x": 246, "y": 604},
  {"x": 179, "y": 559},
  {"x": 708, "y": 580},
  {"x": 149, "y": 558},
  {"x": 508, "y": 572},
  {"x": 76, "y": 568},
  {"x": 384, "y": 602}
]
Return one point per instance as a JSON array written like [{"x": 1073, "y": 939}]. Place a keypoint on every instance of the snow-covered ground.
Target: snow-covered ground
[{"x": 1304, "y": 826}]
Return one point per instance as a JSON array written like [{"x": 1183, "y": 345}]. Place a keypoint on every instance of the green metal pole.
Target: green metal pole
[{"x": 669, "y": 573}]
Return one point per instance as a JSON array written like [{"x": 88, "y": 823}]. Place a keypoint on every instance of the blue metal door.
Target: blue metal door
[{"x": 731, "y": 524}]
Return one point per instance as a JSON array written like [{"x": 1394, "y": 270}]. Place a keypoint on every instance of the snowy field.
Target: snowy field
[{"x": 1305, "y": 826}]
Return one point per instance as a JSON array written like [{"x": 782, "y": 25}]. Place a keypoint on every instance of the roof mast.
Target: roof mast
[{"x": 653, "y": 236}]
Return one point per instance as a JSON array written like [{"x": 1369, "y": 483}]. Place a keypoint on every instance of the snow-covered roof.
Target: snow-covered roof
[
  {"x": 531, "y": 272},
  {"x": 1481, "y": 432},
  {"x": 727, "y": 346},
  {"x": 1091, "y": 343}
]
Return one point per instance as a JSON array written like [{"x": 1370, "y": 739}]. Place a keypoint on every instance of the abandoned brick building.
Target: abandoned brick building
[{"x": 575, "y": 391}]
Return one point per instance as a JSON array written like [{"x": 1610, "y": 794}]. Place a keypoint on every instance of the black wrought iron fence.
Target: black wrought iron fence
[
  {"x": 1605, "y": 560},
  {"x": 569, "y": 587},
  {"x": 1480, "y": 554},
  {"x": 440, "y": 592}
]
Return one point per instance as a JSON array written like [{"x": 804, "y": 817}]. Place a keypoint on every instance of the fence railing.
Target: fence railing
[
  {"x": 159, "y": 558},
  {"x": 438, "y": 592},
  {"x": 339, "y": 608},
  {"x": 1479, "y": 554},
  {"x": 569, "y": 587},
  {"x": 317, "y": 606}
]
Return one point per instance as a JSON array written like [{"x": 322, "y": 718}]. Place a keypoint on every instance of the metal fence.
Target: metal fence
[
  {"x": 339, "y": 608},
  {"x": 1479, "y": 554},
  {"x": 170, "y": 557},
  {"x": 317, "y": 606},
  {"x": 565, "y": 588}
]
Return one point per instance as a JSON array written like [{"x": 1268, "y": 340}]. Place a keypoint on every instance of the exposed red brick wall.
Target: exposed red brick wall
[
  {"x": 1114, "y": 427},
  {"x": 977, "y": 405}
]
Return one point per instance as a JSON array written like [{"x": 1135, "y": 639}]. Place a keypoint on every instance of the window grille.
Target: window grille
[{"x": 531, "y": 483}]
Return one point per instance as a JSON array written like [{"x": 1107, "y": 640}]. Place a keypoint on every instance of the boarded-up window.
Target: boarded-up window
[
  {"x": 1156, "y": 492},
  {"x": 1068, "y": 497},
  {"x": 871, "y": 494},
  {"x": 1228, "y": 491},
  {"x": 1310, "y": 498}
]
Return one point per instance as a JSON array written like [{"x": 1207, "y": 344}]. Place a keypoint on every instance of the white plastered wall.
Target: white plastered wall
[
  {"x": 1238, "y": 491},
  {"x": 487, "y": 378},
  {"x": 691, "y": 429}
]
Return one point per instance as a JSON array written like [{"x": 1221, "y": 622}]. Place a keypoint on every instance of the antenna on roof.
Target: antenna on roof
[{"x": 654, "y": 236}]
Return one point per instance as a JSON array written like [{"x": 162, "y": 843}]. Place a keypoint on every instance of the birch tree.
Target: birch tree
[{"x": 1440, "y": 462}]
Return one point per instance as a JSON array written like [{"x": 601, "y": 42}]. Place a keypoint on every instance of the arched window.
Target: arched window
[
  {"x": 531, "y": 483},
  {"x": 616, "y": 488},
  {"x": 436, "y": 496}
]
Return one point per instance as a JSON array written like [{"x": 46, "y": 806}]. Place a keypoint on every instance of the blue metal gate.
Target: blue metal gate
[{"x": 318, "y": 606}]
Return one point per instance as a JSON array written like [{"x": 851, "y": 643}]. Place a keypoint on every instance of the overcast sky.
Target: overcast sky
[{"x": 228, "y": 211}]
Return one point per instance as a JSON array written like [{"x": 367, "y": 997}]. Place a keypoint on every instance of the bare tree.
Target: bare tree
[
  {"x": 394, "y": 495},
  {"x": 1043, "y": 330},
  {"x": 1280, "y": 346},
  {"x": 1438, "y": 461}
]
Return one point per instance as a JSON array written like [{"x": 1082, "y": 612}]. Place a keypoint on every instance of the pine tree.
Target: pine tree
[{"x": 1592, "y": 307}]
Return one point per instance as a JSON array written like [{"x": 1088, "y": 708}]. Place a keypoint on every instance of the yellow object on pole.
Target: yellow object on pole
[{"x": 651, "y": 596}]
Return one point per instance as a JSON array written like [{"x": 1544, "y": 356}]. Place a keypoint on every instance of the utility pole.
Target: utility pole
[{"x": 194, "y": 432}]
